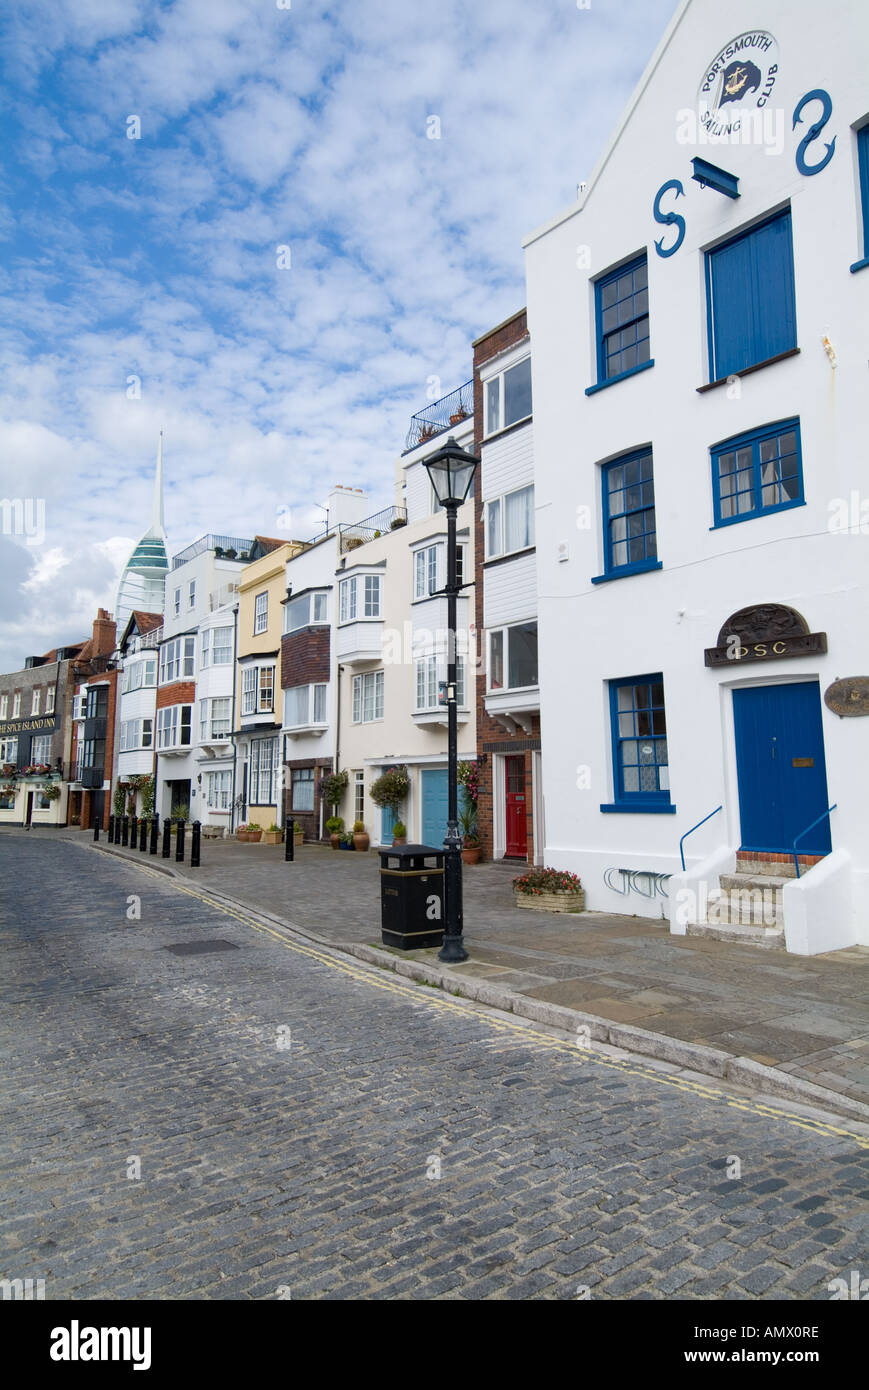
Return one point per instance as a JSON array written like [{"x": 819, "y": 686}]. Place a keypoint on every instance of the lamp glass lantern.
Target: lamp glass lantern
[{"x": 451, "y": 471}]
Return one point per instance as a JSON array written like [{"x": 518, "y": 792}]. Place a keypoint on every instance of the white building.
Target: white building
[
  {"x": 138, "y": 657},
  {"x": 196, "y": 678},
  {"x": 699, "y": 376},
  {"x": 391, "y": 640}
]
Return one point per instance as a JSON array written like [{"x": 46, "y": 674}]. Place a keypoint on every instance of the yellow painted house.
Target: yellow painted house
[{"x": 258, "y": 699}]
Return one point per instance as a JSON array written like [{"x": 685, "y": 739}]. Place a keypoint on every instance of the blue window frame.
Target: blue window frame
[
  {"x": 622, "y": 315},
  {"x": 751, "y": 307},
  {"x": 863, "y": 175},
  {"x": 757, "y": 473},
  {"x": 628, "y": 508},
  {"x": 641, "y": 773}
]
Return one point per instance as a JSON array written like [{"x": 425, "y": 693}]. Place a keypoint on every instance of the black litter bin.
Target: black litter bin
[{"x": 412, "y": 896}]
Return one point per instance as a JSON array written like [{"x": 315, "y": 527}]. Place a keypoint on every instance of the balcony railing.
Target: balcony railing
[
  {"x": 209, "y": 542},
  {"x": 357, "y": 533},
  {"x": 441, "y": 415}
]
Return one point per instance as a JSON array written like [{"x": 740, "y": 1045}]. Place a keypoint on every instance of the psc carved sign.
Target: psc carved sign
[{"x": 766, "y": 632}]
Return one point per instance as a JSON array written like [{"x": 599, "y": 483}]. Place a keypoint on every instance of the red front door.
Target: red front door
[{"x": 514, "y": 771}]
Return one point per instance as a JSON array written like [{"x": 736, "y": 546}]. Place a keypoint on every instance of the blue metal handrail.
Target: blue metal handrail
[
  {"x": 828, "y": 811},
  {"x": 691, "y": 832}
]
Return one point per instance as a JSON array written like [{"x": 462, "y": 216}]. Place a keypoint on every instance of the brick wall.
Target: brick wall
[
  {"x": 492, "y": 737},
  {"x": 305, "y": 657},
  {"x": 179, "y": 693}
]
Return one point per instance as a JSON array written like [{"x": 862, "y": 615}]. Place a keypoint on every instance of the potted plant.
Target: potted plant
[
  {"x": 360, "y": 835},
  {"x": 298, "y": 834},
  {"x": 254, "y": 832},
  {"x": 347, "y": 840},
  {"x": 335, "y": 827},
  {"x": 427, "y": 432},
  {"x": 333, "y": 787},
  {"x": 396, "y": 522},
  {"x": 458, "y": 415},
  {"x": 273, "y": 835},
  {"x": 241, "y": 832},
  {"x": 352, "y": 542},
  {"x": 399, "y": 833},
  {"x": 470, "y": 833},
  {"x": 391, "y": 787},
  {"x": 51, "y": 791},
  {"x": 549, "y": 890},
  {"x": 9, "y": 770}
]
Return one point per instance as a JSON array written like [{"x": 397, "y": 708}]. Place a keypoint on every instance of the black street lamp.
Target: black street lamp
[{"x": 451, "y": 470}]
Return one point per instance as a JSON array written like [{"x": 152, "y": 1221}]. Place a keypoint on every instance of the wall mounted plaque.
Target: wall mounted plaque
[
  {"x": 848, "y": 697},
  {"x": 764, "y": 632}
]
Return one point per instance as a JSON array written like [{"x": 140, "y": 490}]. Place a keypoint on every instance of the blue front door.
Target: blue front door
[
  {"x": 781, "y": 768},
  {"x": 434, "y": 805}
]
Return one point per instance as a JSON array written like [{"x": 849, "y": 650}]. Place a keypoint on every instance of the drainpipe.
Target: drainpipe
[{"x": 339, "y": 669}]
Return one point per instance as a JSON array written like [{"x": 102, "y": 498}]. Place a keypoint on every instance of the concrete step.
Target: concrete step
[
  {"x": 768, "y": 938},
  {"x": 749, "y": 900}
]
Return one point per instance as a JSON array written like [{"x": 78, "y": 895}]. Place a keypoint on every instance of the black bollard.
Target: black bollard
[
  {"x": 154, "y": 830},
  {"x": 195, "y": 844},
  {"x": 143, "y": 835},
  {"x": 117, "y": 835},
  {"x": 111, "y": 830},
  {"x": 125, "y": 830},
  {"x": 289, "y": 842},
  {"x": 96, "y": 825},
  {"x": 167, "y": 838},
  {"x": 179, "y": 844},
  {"x": 134, "y": 831}
]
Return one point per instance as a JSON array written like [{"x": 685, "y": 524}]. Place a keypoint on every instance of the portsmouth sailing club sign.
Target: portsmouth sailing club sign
[{"x": 767, "y": 632}]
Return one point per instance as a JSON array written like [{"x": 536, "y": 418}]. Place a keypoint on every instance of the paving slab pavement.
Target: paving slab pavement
[{"x": 805, "y": 1016}]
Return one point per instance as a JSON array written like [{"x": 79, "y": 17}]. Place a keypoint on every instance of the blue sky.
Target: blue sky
[{"x": 156, "y": 257}]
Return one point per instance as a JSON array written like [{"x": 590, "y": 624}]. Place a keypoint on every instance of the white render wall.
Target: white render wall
[{"x": 663, "y": 620}]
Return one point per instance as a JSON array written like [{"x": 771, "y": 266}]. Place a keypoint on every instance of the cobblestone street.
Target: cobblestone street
[{"x": 254, "y": 1117}]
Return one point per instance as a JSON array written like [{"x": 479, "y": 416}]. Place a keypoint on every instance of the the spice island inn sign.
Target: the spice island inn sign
[
  {"x": 766, "y": 632},
  {"x": 46, "y": 725}
]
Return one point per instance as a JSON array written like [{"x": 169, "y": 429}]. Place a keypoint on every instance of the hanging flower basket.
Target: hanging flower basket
[
  {"x": 391, "y": 787},
  {"x": 549, "y": 890}
]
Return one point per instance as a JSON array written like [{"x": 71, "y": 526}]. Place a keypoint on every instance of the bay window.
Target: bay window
[
  {"x": 214, "y": 718},
  {"x": 258, "y": 689},
  {"x": 307, "y": 610},
  {"x": 304, "y": 705},
  {"x": 513, "y": 657},
  {"x": 359, "y": 597},
  {"x": 218, "y": 790},
  {"x": 40, "y": 749},
  {"x": 173, "y": 726},
  {"x": 177, "y": 659},
  {"x": 216, "y": 646}
]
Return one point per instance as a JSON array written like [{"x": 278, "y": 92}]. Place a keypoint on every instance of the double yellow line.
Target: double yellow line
[{"x": 521, "y": 1031}]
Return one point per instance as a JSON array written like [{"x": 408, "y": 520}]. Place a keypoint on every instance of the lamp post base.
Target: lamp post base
[{"x": 453, "y": 950}]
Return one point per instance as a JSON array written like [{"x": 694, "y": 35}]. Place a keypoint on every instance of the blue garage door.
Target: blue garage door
[{"x": 434, "y": 806}]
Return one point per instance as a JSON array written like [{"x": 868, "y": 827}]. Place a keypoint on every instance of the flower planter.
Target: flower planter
[
  {"x": 298, "y": 838},
  {"x": 239, "y": 835},
  {"x": 254, "y": 837},
  {"x": 351, "y": 847},
  {"x": 361, "y": 840},
  {"x": 551, "y": 902},
  {"x": 271, "y": 837},
  {"x": 471, "y": 855},
  {"x": 335, "y": 841},
  {"x": 399, "y": 840}
]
